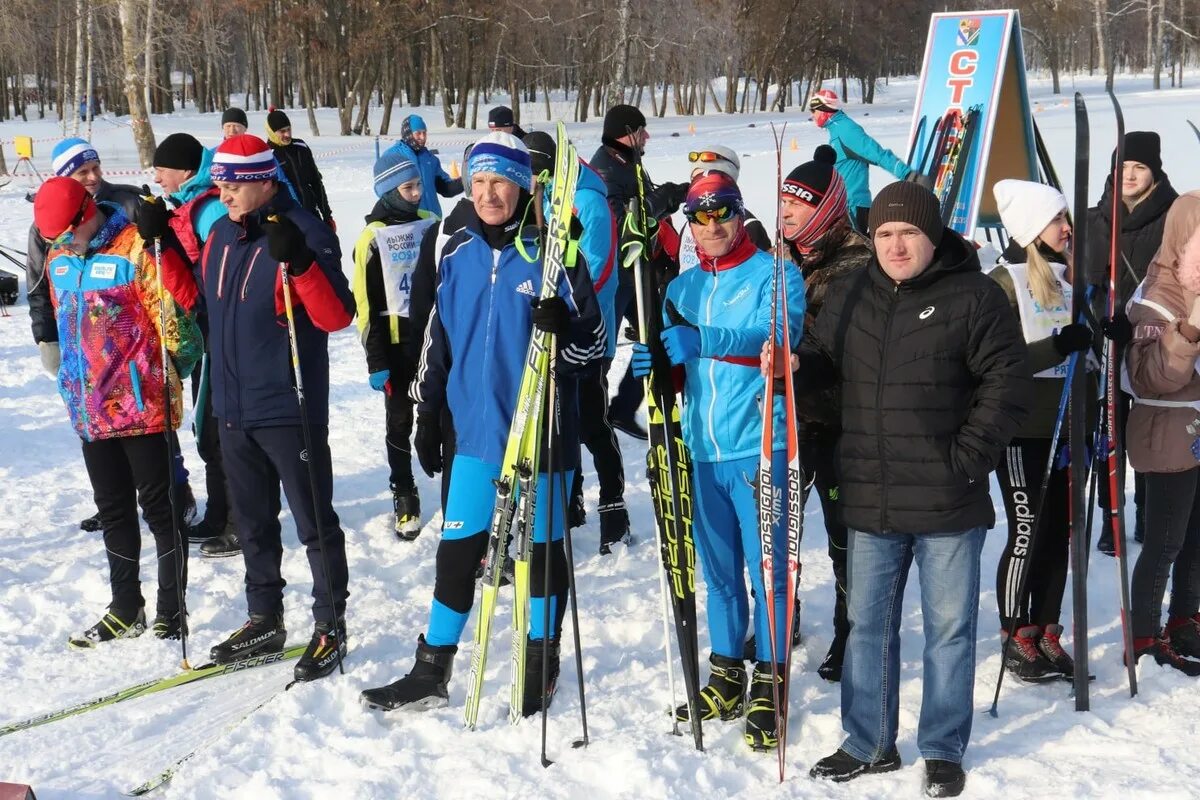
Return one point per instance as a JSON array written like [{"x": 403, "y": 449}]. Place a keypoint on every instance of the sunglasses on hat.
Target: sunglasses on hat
[
  {"x": 703, "y": 216},
  {"x": 706, "y": 157}
]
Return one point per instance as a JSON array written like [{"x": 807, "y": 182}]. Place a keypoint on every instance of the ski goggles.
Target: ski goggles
[
  {"x": 703, "y": 216},
  {"x": 706, "y": 157}
]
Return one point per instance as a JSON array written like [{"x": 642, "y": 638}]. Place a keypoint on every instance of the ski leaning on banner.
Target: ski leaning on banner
[{"x": 765, "y": 373}]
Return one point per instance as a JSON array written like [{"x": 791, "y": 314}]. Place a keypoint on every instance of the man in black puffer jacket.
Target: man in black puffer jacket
[{"x": 933, "y": 374}]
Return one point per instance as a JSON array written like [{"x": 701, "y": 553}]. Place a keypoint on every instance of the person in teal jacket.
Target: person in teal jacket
[
  {"x": 726, "y": 309},
  {"x": 434, "y": 180},
  {"x": 856, "y": 152}
]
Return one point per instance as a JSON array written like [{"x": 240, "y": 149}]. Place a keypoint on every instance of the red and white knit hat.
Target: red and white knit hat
[{"x": 243, "y": 158}]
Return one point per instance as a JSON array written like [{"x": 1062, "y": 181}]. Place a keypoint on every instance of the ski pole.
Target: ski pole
[
  {"x": 1019, "y": 603},
  {"x": 308, "y": 449},
  {"x": 551, "y": 407},
  {"x": 172, "y": 500}
]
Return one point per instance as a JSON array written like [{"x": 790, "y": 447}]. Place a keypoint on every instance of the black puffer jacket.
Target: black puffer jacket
[
  {"x": 934, "y": 378},
  {"x": 41, "y": 311},
  {"x": 301, "y": 169},
  {"x": 1141, "y": 234}
]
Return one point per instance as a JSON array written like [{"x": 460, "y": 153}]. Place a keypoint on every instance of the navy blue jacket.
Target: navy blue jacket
[
  {"x": 478, "y": 334},
  {"x": 252, "y": 381}
]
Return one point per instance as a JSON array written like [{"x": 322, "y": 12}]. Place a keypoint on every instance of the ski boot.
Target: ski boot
[
  {"x": 204, "y": 531},
  {"x": 725, "y": 695},
  {"x": 761, "y": 733},
  {"x": 831, "y": 668},
  {"x": 842, "y": 767},
  {"x": 115, "y": 624},
  {"x": 614, "y": 526},
  {"x": 168, "y": 626},
  {"x": 1160, "y": 649},
  {"x": 91, "y": 524},
  {"x": 322, "y": 655},
  {"x": 1023, "y": 657},
  {"x": 1105, "y": 543},
  {"x": 531, "y": 702},
  {"x": 423, "y": 688},
  {"x": 407, "y": 505},
  {"x": 262, "y": 633}
]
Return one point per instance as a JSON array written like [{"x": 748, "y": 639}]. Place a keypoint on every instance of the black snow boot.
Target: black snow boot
[
  {"x": 531, "y": 702},
  {"x": 1025, "y": 661},
  {"x": 223, "y": 546},
  {"x": 842, "y": 767},
  {"x": 262, "y": 633},
  {"x": 423, "y": 688},
  {"x": 614, "y": 526},
  {"x": 407, "y": 506},
  {"x": 725, "y": 695},
  {"x": 944, "y": 778},
  {"x": 1184, "y": 636},
  {"x": 321, "y": 657},
  {"x": 761, "y": 733},
  {"x": 115, "y": 624}
]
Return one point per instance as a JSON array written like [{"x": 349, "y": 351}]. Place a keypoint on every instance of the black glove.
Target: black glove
[
  {"x": 551, "y": 315},
  {"x": 286, "y": 243},
  {"x": 1118, "y": 330},
  {"x": 665, "y": 199},
  {"x": 153, "y": 218},
  {"x": 428, "y": 443},
  {"x": 1072, "y": 339}
]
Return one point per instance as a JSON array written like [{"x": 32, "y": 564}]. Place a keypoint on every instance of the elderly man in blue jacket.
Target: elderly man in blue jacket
[{"x": 254, "y": 399}]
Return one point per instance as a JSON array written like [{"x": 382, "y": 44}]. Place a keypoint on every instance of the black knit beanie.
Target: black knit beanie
[
  {"x": 621, "y": 120},
  {"x": 235, "y": 115},
  {"x": 810, "y": 181},
  {"x": 277, "y": 120},
  {"x": 179, "y": 151},
  {"x": 1144, "y": 147},
  {"x": 905, "y": 201}
]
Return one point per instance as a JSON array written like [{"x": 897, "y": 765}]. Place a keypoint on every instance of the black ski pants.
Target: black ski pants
[
  {"x": 398, "y": 410},
  {"x": 597, "y": 435},
  {"x": 208, "y": 445},
  {"x": 1044, "y": 552},
  {"x": 817, "y": 445},
  {"x": 258, "y": 461},
  {"x": 127, "y": 472},
  {"x": 1171, "y": 550}
]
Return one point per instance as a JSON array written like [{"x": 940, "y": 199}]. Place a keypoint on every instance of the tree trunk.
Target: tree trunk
[
  {"x": 81, "y": 11},
  {"x": 139, "y": 119},
  {"x": 91, "y": 64},
  {"x": 620, "y": 63},
  {"x": 1103, "y": 51},
  {"x": 148, "y": 69},
  {"x": 1158, "y": 45}
]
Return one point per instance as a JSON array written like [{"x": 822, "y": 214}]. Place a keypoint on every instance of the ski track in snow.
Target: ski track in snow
[{"x": 315, "y": 741}]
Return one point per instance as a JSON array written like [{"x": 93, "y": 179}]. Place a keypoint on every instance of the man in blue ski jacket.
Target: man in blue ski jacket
[
  {"x": 726, "y": 305},
  {"x": 489, "y": 275},
  {"x": 856, "y": 152},
  {"x": 598, "y": 242}
]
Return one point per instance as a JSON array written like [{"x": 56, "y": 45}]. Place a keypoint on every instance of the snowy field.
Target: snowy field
[{"x": 315, "y": 740}]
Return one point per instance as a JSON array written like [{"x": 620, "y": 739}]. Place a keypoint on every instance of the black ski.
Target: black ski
[
  {"x": 1115, "y": 438},
  {"x": 912, "y": 147},
  {"x": 1195, "y": 130},
  {"x": 1078, "y": 412}
]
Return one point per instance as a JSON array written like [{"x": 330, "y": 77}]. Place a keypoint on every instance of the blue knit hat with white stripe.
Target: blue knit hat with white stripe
[
  {"x": 243, "y": 158},
  {"x": 502, "y": 154},
  {"x": 71, "y": 154},
  {"x": 397, "y": 165}
]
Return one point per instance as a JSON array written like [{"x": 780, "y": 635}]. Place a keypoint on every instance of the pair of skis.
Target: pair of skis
[
  {"x": 771, "y": 506},
  {"x": 947, "y": 155},
  {"x": 516, "y": 488}
]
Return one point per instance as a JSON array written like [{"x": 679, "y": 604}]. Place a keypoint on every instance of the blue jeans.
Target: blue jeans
[{"x": 948, "y": 569}]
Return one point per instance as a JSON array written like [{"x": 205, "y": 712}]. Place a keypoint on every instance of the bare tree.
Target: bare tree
[{"x": 139, "y": 118}]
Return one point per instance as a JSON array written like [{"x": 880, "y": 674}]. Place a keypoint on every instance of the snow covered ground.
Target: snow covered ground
[{"x": 315, "y": 741}]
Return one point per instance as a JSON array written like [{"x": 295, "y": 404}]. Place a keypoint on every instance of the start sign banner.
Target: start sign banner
[{"x": 973, "y": 76}]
